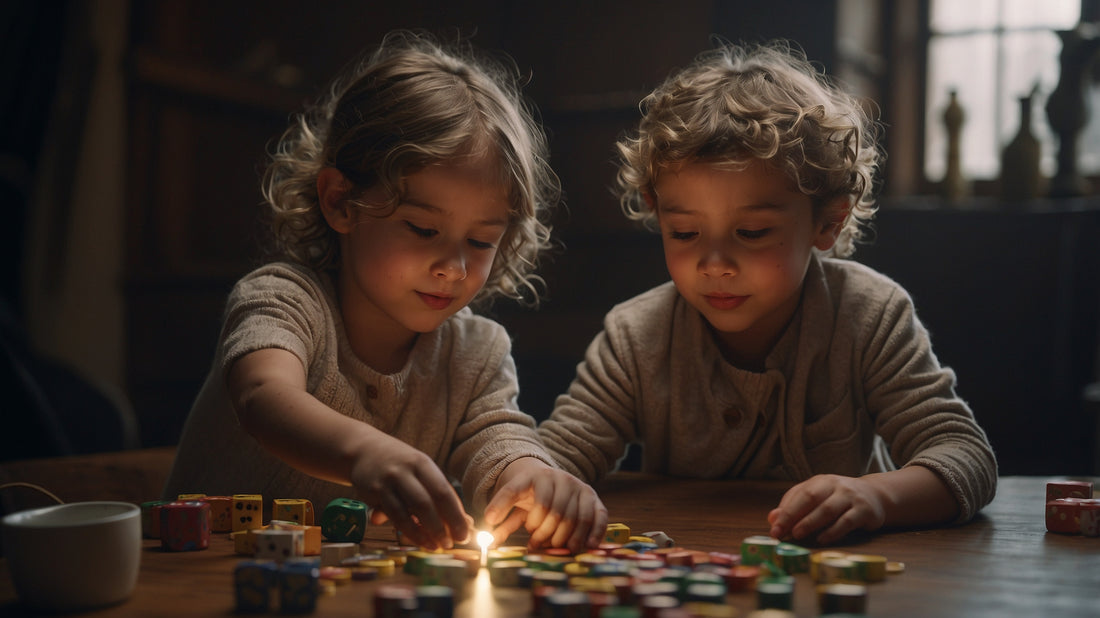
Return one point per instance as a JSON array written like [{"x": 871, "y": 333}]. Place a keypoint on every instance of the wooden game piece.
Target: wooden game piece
[
  {"x": 344, "y": 520},
  {"x": 278, "y": 545},
  {"x": 252, "y": 582},
  {"x": 248, "y": 511},
  {"x": 185, "y": 526},
  {"x": 298, "y": 588},
  {"x": 297, "y": 510}
]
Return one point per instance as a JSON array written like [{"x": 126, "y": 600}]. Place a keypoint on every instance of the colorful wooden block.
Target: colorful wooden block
[
  {"x": 189, "y": 497},
  {"x": 1089, "y": 517},
  {"x": 297, "y": 510},
  {"x": 253, "y": 582},
  {"x": 248, "y": 512},
  {"x": 758, "y": 549},
  {"x": 278, "y": 545},
  {"x": 221, "y": 513},
  {"x": 150, "y": 518},
  {"x": 617, "y": 533},
  {"x": 1063, "y": 515},
  {"x": 1069, "y": 489},
  {"x": 311, "y": 536},
  {"x": 344, "y": 520},
  {"x": 244, "y": 542},
  {"x": 185, "y": 526},
  {"x": 298, "y": 588},
  {"x": 660, "y": 538}
]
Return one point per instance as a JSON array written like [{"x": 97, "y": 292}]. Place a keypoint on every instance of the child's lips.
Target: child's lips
[
  {"x": 725, "y": 301},
  {"x": 436, "y": 301}
]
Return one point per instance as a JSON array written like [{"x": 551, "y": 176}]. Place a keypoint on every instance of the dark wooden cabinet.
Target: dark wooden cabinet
[{"x": 1011, "y": 296}]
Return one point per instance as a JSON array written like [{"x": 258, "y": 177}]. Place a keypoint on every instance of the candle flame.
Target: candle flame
[{"x": 484, "y": 539}]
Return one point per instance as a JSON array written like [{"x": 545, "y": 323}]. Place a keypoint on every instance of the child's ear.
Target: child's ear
[
  {"x": 332, "y": 193},
  {"x": 832, "y": 221}
]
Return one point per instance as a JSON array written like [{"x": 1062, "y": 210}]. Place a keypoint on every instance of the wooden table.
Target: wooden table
[{"x": 1002, "y": 564}]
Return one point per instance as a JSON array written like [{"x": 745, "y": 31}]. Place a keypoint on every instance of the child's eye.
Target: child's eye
[
  {"x": 479, "y": 244},
  {"x": 754, "y": 234},
  {"x": 682, "y": 235},
  {"x": 421, "y": 231}
]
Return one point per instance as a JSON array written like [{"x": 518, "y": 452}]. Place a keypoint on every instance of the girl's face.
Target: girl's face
[
  {"x": 407, "y": 272},
  {"x": 737, "y": 245}
]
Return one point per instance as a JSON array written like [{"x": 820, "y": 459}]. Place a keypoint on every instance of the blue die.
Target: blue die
[
  {"x": 298, "y": 588},
  {"x": 253, "y": 581}
]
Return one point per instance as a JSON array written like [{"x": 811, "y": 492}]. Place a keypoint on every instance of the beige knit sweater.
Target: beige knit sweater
[
  {"x": 455, "y": 399},
  {"x": 851, "y": 387}
]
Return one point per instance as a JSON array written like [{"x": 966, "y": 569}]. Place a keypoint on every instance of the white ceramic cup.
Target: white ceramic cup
[{"x": 74, "y": 556}]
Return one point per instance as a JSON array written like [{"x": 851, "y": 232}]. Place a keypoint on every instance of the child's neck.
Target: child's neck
[{"x": 744, "y": 351}]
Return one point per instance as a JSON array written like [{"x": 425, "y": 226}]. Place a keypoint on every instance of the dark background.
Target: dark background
[{"x": 1009, "y": 291}]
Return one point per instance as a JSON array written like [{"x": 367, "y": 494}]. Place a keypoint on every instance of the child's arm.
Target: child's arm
[
  {"x": 556, "y": 507},
  {"x": 268, "y": 390},
  {"x": 831, "y": 506}
]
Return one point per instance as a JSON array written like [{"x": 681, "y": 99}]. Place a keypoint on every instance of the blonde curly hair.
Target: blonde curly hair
[
  {"x": 738, "y": 104},
  {"x": 413, "y": 102}
]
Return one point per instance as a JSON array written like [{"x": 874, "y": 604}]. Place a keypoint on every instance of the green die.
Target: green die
[{"x": 344, "y": 521}]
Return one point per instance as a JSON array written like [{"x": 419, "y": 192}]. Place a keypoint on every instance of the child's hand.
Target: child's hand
[
  {"x": 557, "y": 507},
  {"x": 829, "y": 505},
  {"x": 403, "y": 485}
]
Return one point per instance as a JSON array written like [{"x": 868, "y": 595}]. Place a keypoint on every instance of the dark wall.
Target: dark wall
[{"x": 212, "y": 82}]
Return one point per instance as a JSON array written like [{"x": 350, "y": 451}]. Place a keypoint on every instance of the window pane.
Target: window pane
[
  {"x": 955, "y": 15},
  {"x": 1030, "y": 58},
  {"x": 1059, "y": 14},
  {"x": 966, "y": 64}
]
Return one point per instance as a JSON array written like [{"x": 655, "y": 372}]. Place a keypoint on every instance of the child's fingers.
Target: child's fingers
[
  {"x": 505, "y": 529},
  {"x": 504, "y": 500},
  {"x": 563, "y": 532}
]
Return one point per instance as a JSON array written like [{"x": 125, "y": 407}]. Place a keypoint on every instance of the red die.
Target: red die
[
  {"x": 185, "y": 526},
  {"x": 1089, "y": 516},
  {"x": 1064, "y": 515},
  {"x": 1069, "y": 489}
]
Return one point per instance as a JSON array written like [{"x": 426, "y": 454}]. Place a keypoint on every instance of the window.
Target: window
[{"x": 992, "y": 52}]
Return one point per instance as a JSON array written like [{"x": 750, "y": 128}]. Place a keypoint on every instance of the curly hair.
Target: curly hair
[
  {"x": 738, "y": 104},
  {"x": 413, "y": 102}
]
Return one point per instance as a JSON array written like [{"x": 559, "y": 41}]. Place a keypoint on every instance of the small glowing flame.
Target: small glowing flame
[{"x": 484, "y": 539}]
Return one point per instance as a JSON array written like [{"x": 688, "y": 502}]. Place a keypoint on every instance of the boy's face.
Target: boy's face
[{"x": 737, "y": 245}]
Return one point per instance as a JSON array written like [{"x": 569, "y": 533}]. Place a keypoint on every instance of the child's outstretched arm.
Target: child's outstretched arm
[
  {"x": 268, "y": 390},
  {"x": 832, "y": 506},
  {"x": 556, "y": 507}
]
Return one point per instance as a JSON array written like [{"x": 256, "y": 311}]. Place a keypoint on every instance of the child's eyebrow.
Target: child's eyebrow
[
  {"x": 495, "y": 222},
  {"x": 755, "y": 207}
]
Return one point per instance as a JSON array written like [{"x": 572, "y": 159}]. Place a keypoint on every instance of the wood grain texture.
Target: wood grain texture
[{"x": 1004, "y": 563}]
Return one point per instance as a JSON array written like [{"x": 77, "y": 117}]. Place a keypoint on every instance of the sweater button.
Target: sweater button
[
  {"x": 371, "y": 391},
  {"x": 733, "y": 416}
]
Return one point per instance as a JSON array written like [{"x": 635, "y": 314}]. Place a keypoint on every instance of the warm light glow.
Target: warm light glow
[{"x": 484, "y": 539}]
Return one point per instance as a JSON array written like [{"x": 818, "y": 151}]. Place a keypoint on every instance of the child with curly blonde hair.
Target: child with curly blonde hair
[
  {"x": 768, "y": 356},
  {"x": 352, "y": 366}
]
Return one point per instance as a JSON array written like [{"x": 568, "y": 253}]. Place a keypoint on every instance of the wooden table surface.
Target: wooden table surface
[{"x": 1002, "y": 564}]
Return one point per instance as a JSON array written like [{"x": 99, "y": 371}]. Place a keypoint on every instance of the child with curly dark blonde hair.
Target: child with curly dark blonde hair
[
  {"x": 768, "y": 355},
  {"x": 419, "y": 184}
]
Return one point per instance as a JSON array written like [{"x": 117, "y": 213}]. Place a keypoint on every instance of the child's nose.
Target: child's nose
[
  {"x": 717, "y": 261},
  {"x": 451, "y": 266}
]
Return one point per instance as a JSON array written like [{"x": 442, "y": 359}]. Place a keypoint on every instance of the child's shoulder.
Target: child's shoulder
[
  {"x": 654, "y": 301},
  {"x": 288, "y": 281},
  {"x": 851, "y": 282}
]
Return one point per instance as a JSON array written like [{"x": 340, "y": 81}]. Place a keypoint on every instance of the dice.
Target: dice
[
  {"x": 278, "y": 545},
  {"x": 185, "y": 526},
  {"x": 248, "y": 512},
  {"x": 617, "y": 533},
  {"x": 296, "y": 510},
  {"x": 253, "y": 581},
  {"x": 221, "y": 513},
  {"x": 298, "y": 588},
  {"x": 344, "y": 521}
]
